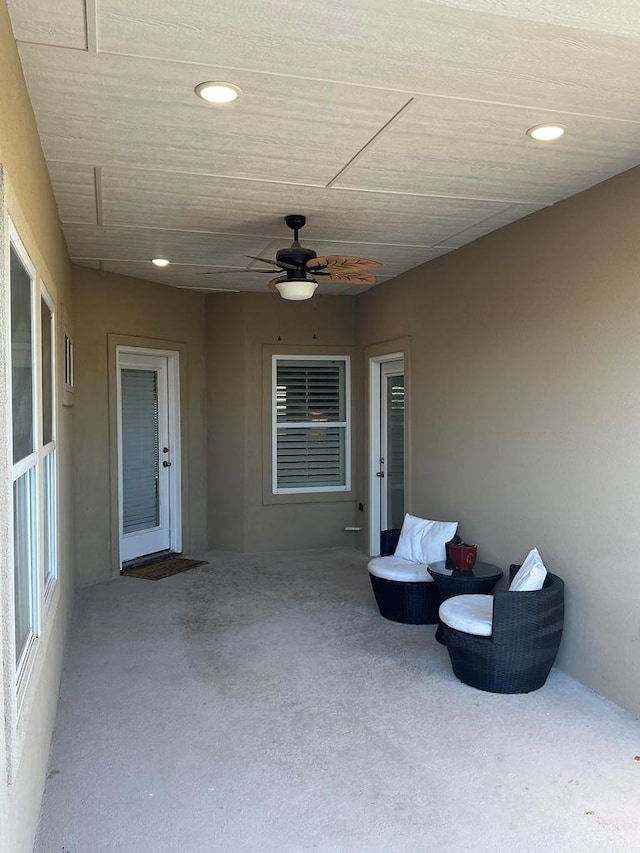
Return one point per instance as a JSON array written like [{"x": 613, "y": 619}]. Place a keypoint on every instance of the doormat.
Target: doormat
[{"x": 162, "y": 569}]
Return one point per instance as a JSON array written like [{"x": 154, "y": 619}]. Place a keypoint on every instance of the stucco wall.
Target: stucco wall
[
  {"x": 116, "y": 309},
  {"x": 244, "y": 330},
  {"x": 225, "y": 420},
  {"x": 525, "y": 410},
  {"x": 28, "y": 199}
]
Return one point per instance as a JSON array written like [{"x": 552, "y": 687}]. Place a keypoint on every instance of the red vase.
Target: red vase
[{"x": 463, "y": 556}]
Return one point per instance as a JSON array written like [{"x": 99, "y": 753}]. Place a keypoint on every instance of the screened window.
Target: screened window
[{"x": 310, "y": 424}]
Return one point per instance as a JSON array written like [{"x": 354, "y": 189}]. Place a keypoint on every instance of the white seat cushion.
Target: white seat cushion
[
  {"x": 396, "y": 569},
  {"x": 423, "y": 541},
  {"x": 531, "y": 574},
  {"x": 472, "y": 614}
]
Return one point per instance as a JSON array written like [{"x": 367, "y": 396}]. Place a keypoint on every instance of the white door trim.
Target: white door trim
[
  {"x": 375, "y": 444},
  {"x": 173, "y": 393}
]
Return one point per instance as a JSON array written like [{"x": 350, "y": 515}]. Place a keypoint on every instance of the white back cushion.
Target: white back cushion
[
  {"x": 531, "y": 574},
  {"x": 472, "y": 614},
  {"x": 423, "y": 541}
]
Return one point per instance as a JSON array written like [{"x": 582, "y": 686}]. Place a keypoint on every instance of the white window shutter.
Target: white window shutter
[
  {"x": 140, "y": 454},
  {"x": 310, "y": 424}
]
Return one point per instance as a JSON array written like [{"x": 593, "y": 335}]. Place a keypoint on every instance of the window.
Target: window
[
  {"x": 49, "y": 475},
  {"x": 33, "y": 423},
  {"x": 311, "y": 428},
  {"x": 68, "y": 362},
  {"x": 25, "y": 457}
]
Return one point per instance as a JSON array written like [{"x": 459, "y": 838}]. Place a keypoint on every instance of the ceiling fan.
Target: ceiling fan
[{"x": 300, "y": 267}]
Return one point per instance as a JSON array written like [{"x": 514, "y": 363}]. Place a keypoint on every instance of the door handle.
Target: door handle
[{"x": 166, "y": 464}]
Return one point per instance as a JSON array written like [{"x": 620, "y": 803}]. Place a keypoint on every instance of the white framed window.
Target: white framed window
[
  {"x": 24, "y": 426},
  {"x": 34, "y": 464},
  {"x": 68, "y": 362},
  {"x": 48, "y": 443},
  {"x": 311, "y": 424}
]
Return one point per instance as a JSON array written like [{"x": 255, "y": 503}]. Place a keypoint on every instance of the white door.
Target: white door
[
  {"x": 387, "y": 462},
  {"x": 392, "y": 445},
  {"x": 148, "y": 450}
]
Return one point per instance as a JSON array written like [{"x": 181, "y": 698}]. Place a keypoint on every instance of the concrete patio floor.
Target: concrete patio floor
[{"x": 260, "y": 703}]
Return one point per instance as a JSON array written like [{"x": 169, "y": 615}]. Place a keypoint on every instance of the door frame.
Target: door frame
[
  {"x": 173, "y": 400},
  {"x": 375, "y": 442}
]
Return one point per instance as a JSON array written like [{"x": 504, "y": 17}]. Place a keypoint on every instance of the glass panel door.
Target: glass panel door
[
  {"x": 146, "y": 455},
  {"x": 140, "y": 451},
  {"x": 392, "y": 445},
  {"x": 395, "y": 450}
]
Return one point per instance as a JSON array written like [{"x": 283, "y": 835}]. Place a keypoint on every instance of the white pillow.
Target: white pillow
[
  {"x": 531, "y": 574},
  {"x": 423, "y": 541}
]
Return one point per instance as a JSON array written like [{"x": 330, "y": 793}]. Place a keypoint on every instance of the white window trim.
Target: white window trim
[
  {"x": 343, "y": 424},
  {"x": 50, "y": 584},
  {"x": 69, "y": 367},
  {"x": 25, "y": 662}
]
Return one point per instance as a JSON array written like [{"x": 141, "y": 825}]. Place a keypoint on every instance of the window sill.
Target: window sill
[{"x": 307, "y": 497}]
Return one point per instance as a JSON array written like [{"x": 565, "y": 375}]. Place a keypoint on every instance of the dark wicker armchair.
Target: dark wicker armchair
[
  {"x": 519, "y": 654},
  {"x": 414, "y": 603}
]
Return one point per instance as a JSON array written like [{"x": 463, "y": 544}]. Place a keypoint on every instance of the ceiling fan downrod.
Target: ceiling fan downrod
[{"x": 295, "y": 221}]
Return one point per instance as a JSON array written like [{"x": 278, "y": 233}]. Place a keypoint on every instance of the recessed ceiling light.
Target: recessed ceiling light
[
  {"x": 217, "y": 92},
  {"x": 160, "y": 262},
  {"x": 546, "y": 132}
]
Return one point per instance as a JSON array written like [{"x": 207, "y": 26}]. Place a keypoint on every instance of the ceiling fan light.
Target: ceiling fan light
[
  {"x": 297, "y": 290},
  {"x": 217, "y": 92}
]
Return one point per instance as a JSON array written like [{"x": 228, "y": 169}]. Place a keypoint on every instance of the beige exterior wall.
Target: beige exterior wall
[
  {"x": 115, "y": 310},
  {"x": 225, "y": 420},
  {"x": 525, "y": 410},
  {"x": 244, "y": 330},
  {"x": 26, "y": 197},
  {"x": 227, "y": 347}
]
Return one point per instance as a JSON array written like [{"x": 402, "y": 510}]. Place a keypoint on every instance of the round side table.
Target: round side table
[{"x": 450, "y": 581}]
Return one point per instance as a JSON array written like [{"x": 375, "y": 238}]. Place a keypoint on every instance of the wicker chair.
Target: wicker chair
[
  {"x": 526, "y": 632},
  {"x": 412, "y": 603}
]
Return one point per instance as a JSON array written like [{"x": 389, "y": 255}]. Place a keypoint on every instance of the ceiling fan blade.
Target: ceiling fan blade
[
  {"x": 274, "y": 281},
  {"x": 352, "y": 277},
  {"x": 341, "y": 262},
  {"x": 280, "y": 264},
  {"x": 229, "y": 272},
  {"x": 338, "y": 268}
]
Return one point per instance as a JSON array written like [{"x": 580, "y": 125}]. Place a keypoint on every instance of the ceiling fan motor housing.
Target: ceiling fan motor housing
[{"x": 297, "y": 256}]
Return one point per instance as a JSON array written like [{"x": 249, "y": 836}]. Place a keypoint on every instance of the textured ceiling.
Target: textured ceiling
[{"x": 397, "y": 128}]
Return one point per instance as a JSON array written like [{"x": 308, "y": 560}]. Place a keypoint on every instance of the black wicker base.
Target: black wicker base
[
  {"x": 406, "y": 602},
  {"x": 517, "y": 658},
  {"x": 478, "y": 668}
]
